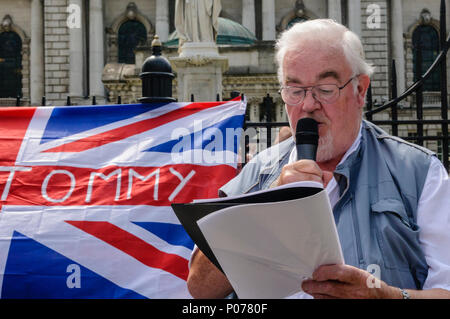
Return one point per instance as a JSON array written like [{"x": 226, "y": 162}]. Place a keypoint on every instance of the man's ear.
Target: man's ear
[{"x": 363, "y": 85}]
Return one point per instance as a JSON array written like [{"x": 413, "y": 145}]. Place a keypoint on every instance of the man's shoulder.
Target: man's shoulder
[
  {"x": 262, "y": 163},
  {"x": 398, "y": 144},
  {"x": 274, "y": 154},
  {"x": 269, "y": 158},
  {"x": 400, "y": 156}
]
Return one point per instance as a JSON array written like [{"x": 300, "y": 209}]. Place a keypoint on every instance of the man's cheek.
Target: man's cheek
[{"x": 293, "y": 114}]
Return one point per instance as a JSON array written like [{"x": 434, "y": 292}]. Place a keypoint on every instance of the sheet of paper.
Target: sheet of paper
[{"x": 267, "y": 250}]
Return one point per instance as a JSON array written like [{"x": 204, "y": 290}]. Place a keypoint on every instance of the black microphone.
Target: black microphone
[{"x": 307, "y": 138}]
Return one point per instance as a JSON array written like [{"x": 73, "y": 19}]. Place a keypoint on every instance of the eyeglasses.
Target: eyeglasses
[{"x": 324, "y": 93}]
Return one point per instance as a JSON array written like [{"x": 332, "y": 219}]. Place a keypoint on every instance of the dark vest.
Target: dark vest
[{"x": 376, "y": 215}]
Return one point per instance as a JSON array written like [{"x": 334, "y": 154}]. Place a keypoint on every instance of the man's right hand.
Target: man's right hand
[{"x": 302, "y": 170}]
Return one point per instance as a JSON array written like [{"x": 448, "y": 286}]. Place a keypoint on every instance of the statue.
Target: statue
[{"x": 197, "y": 20}]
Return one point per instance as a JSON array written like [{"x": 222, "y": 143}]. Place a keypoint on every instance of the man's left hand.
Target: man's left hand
[{"x": 344, "y": 281}]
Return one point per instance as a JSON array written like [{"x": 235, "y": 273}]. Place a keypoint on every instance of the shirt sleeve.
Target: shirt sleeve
[
  {"x": 433, "y": 218},
  {"x": 194, "y": 251}
]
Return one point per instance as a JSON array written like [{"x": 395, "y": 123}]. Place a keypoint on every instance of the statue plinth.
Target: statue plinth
[
  {"x": 199, "y": 48},
  {"x": 199, "y": 69}
]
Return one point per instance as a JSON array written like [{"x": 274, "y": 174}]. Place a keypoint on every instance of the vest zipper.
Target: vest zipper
[
  {"x": 345, "y": 191},
  {"x": 355, "y": 220},
  {"x": 357, "y": 233}
]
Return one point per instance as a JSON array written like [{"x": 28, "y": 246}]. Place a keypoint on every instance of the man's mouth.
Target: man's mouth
[{"x": 320, "y": 124}]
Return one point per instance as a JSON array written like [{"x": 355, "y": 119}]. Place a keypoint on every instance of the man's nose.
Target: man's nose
[{"x": 310, "y": 104}]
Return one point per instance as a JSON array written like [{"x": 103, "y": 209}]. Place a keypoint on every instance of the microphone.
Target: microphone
[{"x": 307, "y": 138}]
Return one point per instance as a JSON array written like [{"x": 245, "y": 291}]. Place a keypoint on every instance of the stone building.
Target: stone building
[{"x": 86, "y": 48}]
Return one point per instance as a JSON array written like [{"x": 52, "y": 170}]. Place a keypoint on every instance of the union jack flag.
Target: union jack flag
[{"x": 86, "y": 193}]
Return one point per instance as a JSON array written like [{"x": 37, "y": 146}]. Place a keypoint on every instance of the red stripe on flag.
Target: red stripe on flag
[
  {"x": 14, "y": 122},
  {"x": 132, "y": 129},
  {"x": 135, "y": 247}
]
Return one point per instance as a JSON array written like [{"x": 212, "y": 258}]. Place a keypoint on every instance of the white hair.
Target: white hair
[{"x": 331, "y": 34}]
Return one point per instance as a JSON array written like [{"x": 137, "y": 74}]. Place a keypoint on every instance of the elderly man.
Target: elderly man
[{"x": 390, "y": 198}]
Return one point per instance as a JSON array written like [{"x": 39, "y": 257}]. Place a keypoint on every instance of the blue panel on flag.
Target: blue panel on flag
[
  {"x": 174, "y": 234},
  {"x": 35, "y": 271},
  {"x": 70, "y": 120},
  {"x": 199, "y": 140}
]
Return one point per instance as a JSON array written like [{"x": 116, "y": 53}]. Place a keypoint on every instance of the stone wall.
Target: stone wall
[
  {"x": 375, "y": 42},
  {"x": 56, "y": 51}
]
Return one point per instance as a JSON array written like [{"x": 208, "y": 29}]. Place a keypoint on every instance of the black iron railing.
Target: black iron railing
[
  {"x": 266, "y": 126},
  {"x": 440, "y": 63}
]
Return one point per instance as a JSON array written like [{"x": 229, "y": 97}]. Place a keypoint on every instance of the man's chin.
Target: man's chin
[{"x": 325, "y": 149}]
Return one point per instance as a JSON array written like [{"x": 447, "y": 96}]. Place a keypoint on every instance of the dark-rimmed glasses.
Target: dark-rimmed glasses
[{"x": 324, "y": 93}]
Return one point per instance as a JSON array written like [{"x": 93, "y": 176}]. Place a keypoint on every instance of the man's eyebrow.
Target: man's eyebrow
[
  {"x": 328, "y": 74},
  {"x": 288, "y": 79}
]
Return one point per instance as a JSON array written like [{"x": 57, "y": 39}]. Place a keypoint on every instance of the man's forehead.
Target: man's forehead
[{"x": 314, "y": 64}]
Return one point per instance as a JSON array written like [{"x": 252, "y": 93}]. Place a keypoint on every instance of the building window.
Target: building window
[
  {"x": 131, "y": 34},
  {"x": 258, "y": 19},
  {"x": 426, "y": 39},
  {"x": 10, "y": 65},
  {"x": 171, "y": 16}
]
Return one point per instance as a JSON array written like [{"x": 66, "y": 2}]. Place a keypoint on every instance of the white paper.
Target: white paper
[{"x": 266, "y": 250}]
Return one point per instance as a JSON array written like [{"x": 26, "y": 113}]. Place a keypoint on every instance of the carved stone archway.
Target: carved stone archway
[
  {"x": 424, "y": 18},
  {"x": 299, "y": 12},
  {"x": 130, "y": 13}
]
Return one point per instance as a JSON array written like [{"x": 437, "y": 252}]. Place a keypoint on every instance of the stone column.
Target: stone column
[
  {"x": 335, "y": 10},
  {"x": 354, "y": 16},
  {"x": 248, "y": 15},
  {"x": 268, "y": 17},
  {"x": 76, "y": 61},
  {"x": 96, "y": 48},
  {"x": 37, "y": 53},
  {"x": 397, "y": 43},
  {"x": 162, "y": 20}
]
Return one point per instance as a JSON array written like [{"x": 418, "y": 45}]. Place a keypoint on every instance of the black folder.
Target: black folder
[{"x": 189, "y": 213}]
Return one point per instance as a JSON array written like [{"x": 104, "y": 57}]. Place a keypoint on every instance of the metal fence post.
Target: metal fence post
[
  {"x": 156, "y": 76},
  {"x": 268, "y": 105},
  {"x": 394, "y": 96},
  {"x": 419, "y": 96},
  {"x": 369, "y": 103}
]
